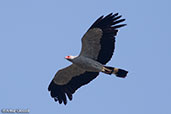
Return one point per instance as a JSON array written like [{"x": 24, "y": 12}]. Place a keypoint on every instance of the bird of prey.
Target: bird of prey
[{"x": 98, "y": 45}]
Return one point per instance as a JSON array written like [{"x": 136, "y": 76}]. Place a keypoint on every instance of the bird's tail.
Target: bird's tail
[{"x": 118, "y": 72}]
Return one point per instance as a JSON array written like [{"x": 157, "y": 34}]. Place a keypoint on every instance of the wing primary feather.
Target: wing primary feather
[
  {"x": 50, "y": 86},
  {"x": 108, "y": 16},
  {"x": 54, "y": 93},
  {"x": 115, "y": 14},
  {"x": 116, "y": 18},
  {"x": 63, "y": 97},
  {"x": 56, "y": 99},
  {"x": 119, "y": 21},
  {"x": 59, "y": 98},
  {"x": 69, "y": 94},
  {"x": 97, "y": 21},
  {"x": 118, "y": 26},
  {"x": 70, "y": 89},
  {"x": 106, "y": 22}
]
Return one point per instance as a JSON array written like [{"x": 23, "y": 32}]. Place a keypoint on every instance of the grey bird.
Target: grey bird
[{"x": 98, "y": 45}]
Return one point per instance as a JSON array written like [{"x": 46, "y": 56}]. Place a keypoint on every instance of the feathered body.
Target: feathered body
[
  {"x": 87, "y": 64},
  {"x": 98, "y": 45}
]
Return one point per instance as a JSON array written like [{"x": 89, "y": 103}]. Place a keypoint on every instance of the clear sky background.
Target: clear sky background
[{"x": 36, "y": 35}]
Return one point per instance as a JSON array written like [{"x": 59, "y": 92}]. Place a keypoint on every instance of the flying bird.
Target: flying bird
[{"x": 98, "y": 45}]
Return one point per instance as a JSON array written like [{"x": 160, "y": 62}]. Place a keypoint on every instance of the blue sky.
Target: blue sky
[{"x": 35, "y": 35}]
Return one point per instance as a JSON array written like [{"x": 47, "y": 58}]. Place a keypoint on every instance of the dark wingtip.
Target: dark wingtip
[
  {"x": 119, "y": 26},
  {"x": 110, "y": 14},
  {"x": 56, "y": 92},
  {"x": 115, "y": 14},
  {"x": 108, "y": 21},
  {"x": 50, "y": 86}
]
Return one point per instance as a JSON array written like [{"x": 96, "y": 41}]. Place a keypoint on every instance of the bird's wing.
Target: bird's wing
[
  {"x": 98, "y": 42},
  {"x": 67, "y": 81}
]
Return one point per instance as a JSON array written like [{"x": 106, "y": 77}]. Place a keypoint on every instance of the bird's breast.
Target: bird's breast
[{"x": 88, "y": 64}]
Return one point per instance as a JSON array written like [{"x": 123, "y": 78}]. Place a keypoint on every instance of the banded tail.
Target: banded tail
[{"x": 118, "y": 72}]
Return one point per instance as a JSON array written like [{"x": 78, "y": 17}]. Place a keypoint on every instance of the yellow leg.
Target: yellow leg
[{"x": 106, "y": 70}]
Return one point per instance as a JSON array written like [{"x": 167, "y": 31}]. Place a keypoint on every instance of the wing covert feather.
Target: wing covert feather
[
  {"x": 91, "y": 43},
  {"x": 64, "y": 75}
]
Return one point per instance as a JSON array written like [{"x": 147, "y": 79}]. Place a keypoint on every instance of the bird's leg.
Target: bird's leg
[{"x": 106, "y": 70}]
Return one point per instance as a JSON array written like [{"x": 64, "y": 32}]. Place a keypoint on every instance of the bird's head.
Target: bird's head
[{"x": 70, "y": 57}]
